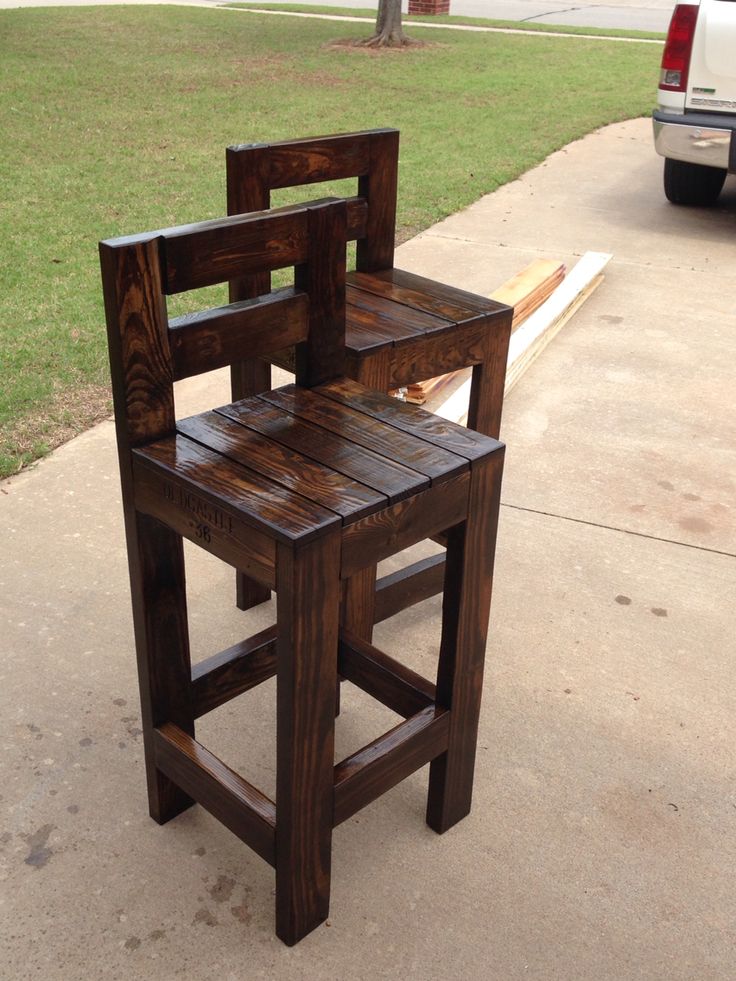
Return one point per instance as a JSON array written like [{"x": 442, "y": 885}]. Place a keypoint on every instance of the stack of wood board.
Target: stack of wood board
[
  {"x": 525, "y": 292},
  {"x": 535, "y": 333}
]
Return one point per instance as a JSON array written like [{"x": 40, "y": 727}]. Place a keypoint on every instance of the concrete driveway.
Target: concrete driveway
[{"x": 603, "y": 837}]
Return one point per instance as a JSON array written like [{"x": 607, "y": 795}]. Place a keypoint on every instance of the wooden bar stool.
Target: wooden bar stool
[
  {"x": 300, "y": 488},
  {"x": 401, "y": 328}
]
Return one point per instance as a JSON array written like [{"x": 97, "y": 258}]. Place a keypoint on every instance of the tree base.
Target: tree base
[{"x": 386, "y": 39}]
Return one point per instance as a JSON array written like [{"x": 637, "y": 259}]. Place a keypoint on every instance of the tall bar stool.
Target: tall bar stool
[{"x": 301, "y": 488}]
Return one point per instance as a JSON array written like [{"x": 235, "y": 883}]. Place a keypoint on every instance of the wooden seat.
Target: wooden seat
[
  {"x": 301, "y": 488},
  {"x": 400, "y": 327}
]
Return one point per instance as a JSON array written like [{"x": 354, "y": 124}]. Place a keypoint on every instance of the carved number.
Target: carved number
[{"x": 203, "y": 532}]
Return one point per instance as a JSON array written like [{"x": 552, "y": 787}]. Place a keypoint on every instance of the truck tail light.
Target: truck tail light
[{"x": 677, "y": 48}]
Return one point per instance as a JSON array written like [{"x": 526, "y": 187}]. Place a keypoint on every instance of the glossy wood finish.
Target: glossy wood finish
[
  {"x": 467, "y": 601},
  {"x": 304, "y": 489},
  {"x": 400, "y": 328}
]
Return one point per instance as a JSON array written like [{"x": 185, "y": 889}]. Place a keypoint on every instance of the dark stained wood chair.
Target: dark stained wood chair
[
  {"x": 401, "y": 328},
  {"x": 300, "y": 487}
]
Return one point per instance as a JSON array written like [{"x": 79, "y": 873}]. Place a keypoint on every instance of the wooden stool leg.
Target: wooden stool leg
[
  {"x": 308, "y": 602},
  {"x": 466, "y": 608},
  {"x": 162, "y": 648},
  {"x": 359, "y": 603},
  {"x": 486, "y": 387},
  {"x": 249, "y": 378}
]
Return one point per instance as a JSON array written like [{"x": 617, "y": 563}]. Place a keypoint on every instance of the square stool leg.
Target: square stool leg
[
  {"x": 465, "y": 610},
  {"x": 308, "y": 606},
  {"x": 162, "y": 648}
]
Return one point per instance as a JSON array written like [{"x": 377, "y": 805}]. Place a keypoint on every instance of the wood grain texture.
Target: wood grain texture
[
  {"x": 287, "y": 467},
  {"x": 308, "y": 602},
  {"x": 242, "y": 808},
  {"x": 230, "y": 490},
  {"x": 225, "y": 335},
  {"x": 374, "y": 672},
  {"x": 432, "y": 461},
  {"x": 439, "y": 432},
  {"x": 372, "y": 469},
  {"x": 466, "y": 606},
  {"x": 214, "y": 252},
  {"x": 378, "y": 185},
  {"x": 408, "y": 586},
  {"x": 397, "y": 527},
  {"x": 398, "y": 280},
  {"x": 322, "y": 277},
  {"x": 233, "y": 671},
  {"x": 156, "y": 564},
  {"x": 388, "y": 760}
]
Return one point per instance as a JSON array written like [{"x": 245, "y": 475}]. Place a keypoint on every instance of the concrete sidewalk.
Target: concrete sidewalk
[{"x": 603, "y": 837}]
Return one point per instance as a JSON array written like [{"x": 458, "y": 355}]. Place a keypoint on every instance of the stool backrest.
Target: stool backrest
[
  {"x": 255, "y": 169},
  {"x": 149, "y": 352}
]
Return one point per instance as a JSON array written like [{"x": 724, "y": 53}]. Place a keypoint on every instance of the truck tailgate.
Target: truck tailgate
[{"x": 712, "y": 78}]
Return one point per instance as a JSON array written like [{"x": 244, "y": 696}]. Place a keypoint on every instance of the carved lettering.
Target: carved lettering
[{"x": 208, "y": 517}]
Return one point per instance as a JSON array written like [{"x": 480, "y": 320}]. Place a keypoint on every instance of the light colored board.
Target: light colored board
[
  {"x": 538, "y": 330},
  {"x": 525, "y": 292}
]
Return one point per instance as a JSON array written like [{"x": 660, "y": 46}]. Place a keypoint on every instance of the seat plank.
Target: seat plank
[
  {"x": 289, "y": 468},
  {"x": 391, "y": 479},
  {"x": 410, "y": 322},
  {"x": 436, "y": 297},
  {"x": 440, "y": 432},
  {"x": 230, "y": 489},
  {"x": 432, "y": 461}
]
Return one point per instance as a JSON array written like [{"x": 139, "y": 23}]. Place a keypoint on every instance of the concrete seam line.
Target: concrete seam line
[{"x": 623, "y": 531}]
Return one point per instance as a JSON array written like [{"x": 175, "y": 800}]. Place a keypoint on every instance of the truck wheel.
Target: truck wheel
[{"x": 688, "y": 183}]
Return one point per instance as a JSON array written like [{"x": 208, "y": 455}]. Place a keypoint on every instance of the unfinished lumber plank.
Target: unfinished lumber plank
[
  {"x": 525, "y": 292},
  {"x": 528, "y": 289},
  {"x": 538, "y": 330}
]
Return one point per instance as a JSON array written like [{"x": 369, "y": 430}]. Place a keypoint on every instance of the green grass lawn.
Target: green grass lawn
[{"x": 116, "y": 120}]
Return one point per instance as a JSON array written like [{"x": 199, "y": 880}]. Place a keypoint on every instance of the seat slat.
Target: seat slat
[
  {"x": 394, "y": 685},
  {"x": 380, "y": 324},
  {"x": 427, "y": 294},
  {"x": 410, "y": 322},
  {"x": 393, "y": 443},
  {"x": 358, "y": 463},
  {"x": 378, "y": 767},
  {"x": 230, "y": 489},
  {"x": 242, "y": 808},
  {"x": 289, "y": 468},
  {"x": 439, "y": 432},
  {"x": 233, "y": 671},
  {"x": 217, "y": 337}
]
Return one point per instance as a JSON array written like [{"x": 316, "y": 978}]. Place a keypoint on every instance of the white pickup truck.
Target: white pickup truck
[{"x": 695, "y": 119}]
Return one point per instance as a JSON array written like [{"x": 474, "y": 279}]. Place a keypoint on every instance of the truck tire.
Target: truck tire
[{"x": 688, "y": 183}]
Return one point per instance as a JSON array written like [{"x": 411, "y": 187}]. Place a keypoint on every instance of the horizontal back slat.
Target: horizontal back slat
[
  {"x": 197, "y": 256},
  {"x": 330, "y": 158},
  {"x": 215, "y": 338}
]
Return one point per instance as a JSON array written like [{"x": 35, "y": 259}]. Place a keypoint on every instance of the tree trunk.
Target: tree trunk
[{"x": 389, "y": 32}]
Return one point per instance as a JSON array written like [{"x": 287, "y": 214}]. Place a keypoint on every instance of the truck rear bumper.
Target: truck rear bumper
[{"x": 698, "y": 138}]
